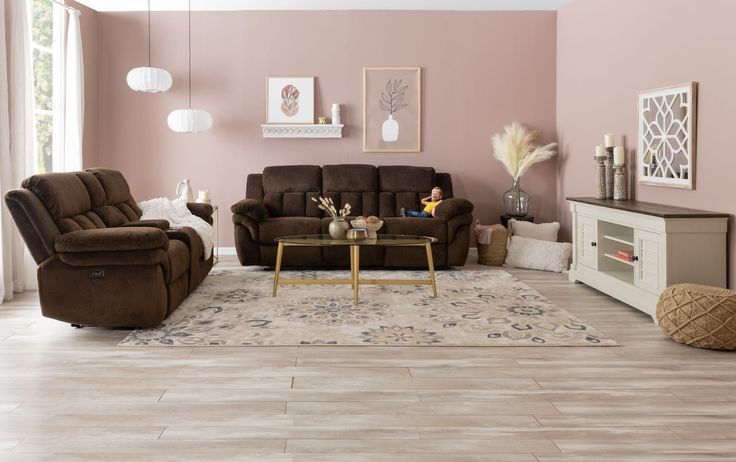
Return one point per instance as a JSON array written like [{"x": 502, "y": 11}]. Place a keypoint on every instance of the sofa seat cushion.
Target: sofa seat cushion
[
  {"x": 271, "y": 228},
  {"x": 178, "y": 253},
  {"x": 432, "y": 227}
]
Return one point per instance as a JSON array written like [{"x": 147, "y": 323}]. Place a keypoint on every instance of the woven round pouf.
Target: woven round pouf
[{"x": 699, "y": 316}]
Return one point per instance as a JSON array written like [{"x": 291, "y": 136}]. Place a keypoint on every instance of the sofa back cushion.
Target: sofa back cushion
[
  {"x": 353, "y": 184},
  {"x": 402, "y": 186},
  {"x": 288, "y": 190},
  {"x": 96, "y": 198}
]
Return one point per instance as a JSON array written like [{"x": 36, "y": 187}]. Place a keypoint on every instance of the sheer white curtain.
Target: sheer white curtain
[
  {"x": 74, "y": 95},
  {"x": 16, "y": 134}
]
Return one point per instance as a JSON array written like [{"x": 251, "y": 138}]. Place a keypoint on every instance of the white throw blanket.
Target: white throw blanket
[{"x": 177, "y": 214}]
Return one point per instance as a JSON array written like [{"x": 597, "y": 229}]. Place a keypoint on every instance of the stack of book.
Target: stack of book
[{"x": 625, "y": 254}]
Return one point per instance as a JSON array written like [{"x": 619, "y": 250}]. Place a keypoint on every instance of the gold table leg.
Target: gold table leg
[
  {"x": 277, "y": 270},
  {"x": 352, "y": 267},
  {"x": 356, "y": 271},
  {"x": 430, "y": 265}
]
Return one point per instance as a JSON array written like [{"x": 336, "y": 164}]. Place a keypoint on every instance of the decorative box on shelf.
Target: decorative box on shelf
[{"x": 302, "y": 130}]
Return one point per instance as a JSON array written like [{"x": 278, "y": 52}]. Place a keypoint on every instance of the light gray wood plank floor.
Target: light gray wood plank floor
[{"x": 72, "y": 394}]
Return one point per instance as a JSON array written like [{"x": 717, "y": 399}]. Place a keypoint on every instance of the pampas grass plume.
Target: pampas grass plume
[{"x": 517, "y": 151}]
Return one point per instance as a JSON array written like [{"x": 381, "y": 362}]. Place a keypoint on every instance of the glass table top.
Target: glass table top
[{"x": 317, "y": 240}]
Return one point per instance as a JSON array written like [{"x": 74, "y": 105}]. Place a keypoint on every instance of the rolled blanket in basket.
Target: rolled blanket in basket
[{"x": 483, "y": 233}]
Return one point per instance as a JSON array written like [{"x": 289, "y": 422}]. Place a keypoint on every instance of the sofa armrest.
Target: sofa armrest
[
  {"x": 160, "y": 224},
  {"x": 250, "y": 208},
  {"x": 189, "y": 237},
  {"x": 449, "y": 208},
  {"x": 201, "y": 210},
  {"x": 112, "y": 240}
]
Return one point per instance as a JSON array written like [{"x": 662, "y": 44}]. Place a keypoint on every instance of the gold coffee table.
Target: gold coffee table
[{"x": 386, "y": 240}]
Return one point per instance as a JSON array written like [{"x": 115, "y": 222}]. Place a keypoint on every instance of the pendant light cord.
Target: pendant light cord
[
  {"x": 149, "y": 33},
  {"x": 190, "y": 53}
]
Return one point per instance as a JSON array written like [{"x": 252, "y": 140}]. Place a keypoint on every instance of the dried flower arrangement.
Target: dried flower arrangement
[
  {"x": 517, "y": 151},
  {"x": 328, "y": 206}
]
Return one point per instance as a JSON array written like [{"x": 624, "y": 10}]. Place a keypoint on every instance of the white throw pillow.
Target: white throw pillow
[
  {"x": 539, "y": 255},
  {"x": 543, "y": 231}
]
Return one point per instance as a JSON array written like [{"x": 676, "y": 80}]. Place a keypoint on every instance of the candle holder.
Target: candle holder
[
  {"x": 609, "y": 173},
  {"x": 600, "y": 177},
  {"x": 619, "y": 183}
]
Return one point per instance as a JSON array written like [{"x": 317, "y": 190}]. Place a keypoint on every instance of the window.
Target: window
[{"x": 47, "y": 83}]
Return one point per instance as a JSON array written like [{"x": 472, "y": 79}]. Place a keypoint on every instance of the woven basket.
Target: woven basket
[
  {"x": 699, "y": 316},
  {"x": 493, "y": 254}
]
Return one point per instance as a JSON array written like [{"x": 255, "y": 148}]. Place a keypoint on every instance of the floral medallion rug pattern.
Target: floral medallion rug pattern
[{"x": 234, "y": 307}]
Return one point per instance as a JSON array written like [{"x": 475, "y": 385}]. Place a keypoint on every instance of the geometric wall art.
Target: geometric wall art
[{"x": 667, "y": 136}]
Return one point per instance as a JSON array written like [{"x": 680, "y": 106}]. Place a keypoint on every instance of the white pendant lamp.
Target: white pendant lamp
[
  {"x": 189, "y": 120},
  {"x": 149, "y": 79}
]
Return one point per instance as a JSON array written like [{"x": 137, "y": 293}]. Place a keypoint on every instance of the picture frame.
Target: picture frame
[
  {"x": 290, "y": 100},
  {"x": 667, "y": 136},
  {"x": 392, "y": 109}
]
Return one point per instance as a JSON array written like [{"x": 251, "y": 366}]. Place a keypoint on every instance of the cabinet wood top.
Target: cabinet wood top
[{"x": 649, "y": 208}]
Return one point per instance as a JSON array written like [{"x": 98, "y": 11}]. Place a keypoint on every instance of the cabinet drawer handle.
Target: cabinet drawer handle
[
  {"x": 593, "y": 244},
  {"x": 634, "y": 258}
]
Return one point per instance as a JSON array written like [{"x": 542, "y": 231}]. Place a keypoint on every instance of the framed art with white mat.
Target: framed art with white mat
[{"x": 290, "y": 100}]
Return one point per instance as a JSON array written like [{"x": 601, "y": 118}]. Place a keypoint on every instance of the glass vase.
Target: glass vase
[{"x": 516, "y": 201}]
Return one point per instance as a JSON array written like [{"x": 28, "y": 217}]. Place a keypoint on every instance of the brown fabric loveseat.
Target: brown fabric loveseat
[
  {"x": 99, "y": 265},
  {"x": 279, "y": 203}
]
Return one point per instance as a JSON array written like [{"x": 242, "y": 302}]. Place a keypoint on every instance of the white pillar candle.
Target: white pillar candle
[
  {"x": 600, "y": 151},
  {"x": 618, "y": 155},
  {"x": 609, "y": 140}
]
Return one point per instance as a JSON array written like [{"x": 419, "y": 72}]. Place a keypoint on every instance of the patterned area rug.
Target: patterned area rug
[{"x": 234, "y": 307}]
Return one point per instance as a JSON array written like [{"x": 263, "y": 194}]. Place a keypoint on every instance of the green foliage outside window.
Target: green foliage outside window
[{"x": 43, "y": 81}]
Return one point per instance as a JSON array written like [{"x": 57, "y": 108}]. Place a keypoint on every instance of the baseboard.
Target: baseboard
[
  {"x": 473, "y": 253},
  {"x": 226, "y": 251}
]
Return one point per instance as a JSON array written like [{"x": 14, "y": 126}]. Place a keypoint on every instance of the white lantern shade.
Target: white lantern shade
[
  {"x": 189, "y": 120},
  {"x": 149, "y": 79}
]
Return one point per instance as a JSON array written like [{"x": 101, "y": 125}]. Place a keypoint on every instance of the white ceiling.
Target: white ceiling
[{"x": 235, "y": 5}]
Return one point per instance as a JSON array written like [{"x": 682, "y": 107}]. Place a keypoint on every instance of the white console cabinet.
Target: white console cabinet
[{"x": 667, "y": 245}]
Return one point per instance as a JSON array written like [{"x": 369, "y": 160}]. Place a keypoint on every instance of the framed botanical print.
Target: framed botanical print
[
  {"x": 392, "y": 103},
  {"x": 667, "y": 136},
  {"x": 290, "y": 100}
]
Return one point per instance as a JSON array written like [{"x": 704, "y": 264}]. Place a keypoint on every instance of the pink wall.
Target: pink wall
[
  {"x": 481, "y": 70},
  {"x": 610, "y": 51}
]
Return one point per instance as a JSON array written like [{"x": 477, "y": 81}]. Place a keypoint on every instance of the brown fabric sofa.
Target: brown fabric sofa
[
  {"x": 279, "y": 203},
  {"x": 99, "y": 265}
]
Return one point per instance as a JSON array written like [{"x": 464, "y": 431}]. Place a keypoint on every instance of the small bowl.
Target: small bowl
[
  {"x": 357, "y": 234},
  {"x": 371, "y": 228}
]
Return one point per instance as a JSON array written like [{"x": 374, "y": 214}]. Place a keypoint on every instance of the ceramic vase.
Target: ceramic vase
[
  {"x": 390, "y": 129},
  {"x": 339, "y": 229},
  {"x": 184, "y": 191}
]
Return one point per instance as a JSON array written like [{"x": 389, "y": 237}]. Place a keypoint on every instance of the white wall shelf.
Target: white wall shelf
[{"x": 302, "y": 130}]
